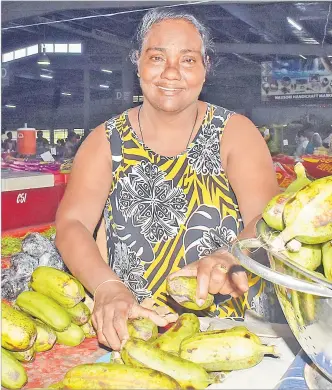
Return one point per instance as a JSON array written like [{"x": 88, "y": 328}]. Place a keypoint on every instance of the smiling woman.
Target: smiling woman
[{"x": 178, "y": 179}]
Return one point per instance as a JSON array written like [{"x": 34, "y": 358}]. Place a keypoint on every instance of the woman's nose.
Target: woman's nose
[{"x": 171, "y": 71}]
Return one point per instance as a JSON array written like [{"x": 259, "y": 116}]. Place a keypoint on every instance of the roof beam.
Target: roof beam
[
  {"x": 244, "y": 13},
  {"x": 98, "y": 35},
  {"x": 272, "y": 48}
]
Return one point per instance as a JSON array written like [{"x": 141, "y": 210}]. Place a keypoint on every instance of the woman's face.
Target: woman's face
[{"x": 171, "y": 66}]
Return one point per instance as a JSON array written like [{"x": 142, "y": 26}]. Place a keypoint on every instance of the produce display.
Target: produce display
[
  {"x": 29, "y": 165},
  {"x": 37, "y": 321},
  {"x": 302, "y": 219}
]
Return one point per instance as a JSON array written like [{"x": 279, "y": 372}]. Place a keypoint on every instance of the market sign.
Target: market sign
[{"x": 296, "y": 79}]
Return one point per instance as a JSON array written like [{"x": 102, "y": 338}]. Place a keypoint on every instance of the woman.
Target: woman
[{"x": 179, "y": 177}]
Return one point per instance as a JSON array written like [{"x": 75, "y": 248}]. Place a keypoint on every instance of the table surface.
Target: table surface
[{"x": 51, "y": 366}]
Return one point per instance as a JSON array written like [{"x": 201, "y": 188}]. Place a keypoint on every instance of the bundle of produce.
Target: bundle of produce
[
  {"x": 37, "y": 250},
  {"x": 31, "y": 165},
  {"x": 53, "y": 311},
  {"x": 302, "y": 220},
  {"x": 181, "y": 358}
]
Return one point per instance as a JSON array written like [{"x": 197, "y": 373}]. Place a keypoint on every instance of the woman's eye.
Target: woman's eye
[
  {"x": 156, "y": 58},
  {"x": 189, "y": 60}
]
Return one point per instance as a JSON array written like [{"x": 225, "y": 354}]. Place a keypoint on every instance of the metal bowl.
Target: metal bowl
[{"x": 304, "y": 296}]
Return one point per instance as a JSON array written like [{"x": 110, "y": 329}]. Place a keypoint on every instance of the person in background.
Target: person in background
[
  {"x": 302, "y": 142},
  {"x": 315, "y": 140},
  {"x": 60, "y": 148},
  {"x": 178, "y": 179},
  {"x": 42, "y": 144},
  {"x": 9, "y": 145},
  {"x": 328, "y": 140},
  {"x": 71, "y": 145}
]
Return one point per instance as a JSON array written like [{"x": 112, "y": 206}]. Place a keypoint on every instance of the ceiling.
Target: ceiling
[{"x": 244, "y": 33}]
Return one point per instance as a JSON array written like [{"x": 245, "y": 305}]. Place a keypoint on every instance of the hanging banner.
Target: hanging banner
[{"x": 296, "y": 79}]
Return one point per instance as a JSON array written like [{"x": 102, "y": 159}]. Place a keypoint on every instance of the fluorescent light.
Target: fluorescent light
[
  {"x": 303, "y": 57},
  {"x": 61, "y": 48},
  {"x": 107, "y": 71},
  {"x": 66, "y": 93},
  {"x": 46, "y": 76},
  {"x": 294, "y": 24},
  {"x": 104, "y": 86},
  {"x": 10, "y": 105}
]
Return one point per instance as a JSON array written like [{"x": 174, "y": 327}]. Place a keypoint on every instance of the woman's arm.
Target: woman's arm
[
  {"x": 77, "y": 217},
  {"x": 81, "y": 208},
  {"x": 248, "y": 165}
]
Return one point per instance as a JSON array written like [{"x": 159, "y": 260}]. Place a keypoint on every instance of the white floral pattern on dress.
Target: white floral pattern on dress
[
  {"x": 215, "y": 239},
  {"x": 204, "y": 156},
  {"x": 152, "y": 202},
  {"x": 129, "y": 269}
]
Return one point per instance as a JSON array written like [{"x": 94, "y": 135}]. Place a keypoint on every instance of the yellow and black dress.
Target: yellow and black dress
[{"x": 163, "y": 213}]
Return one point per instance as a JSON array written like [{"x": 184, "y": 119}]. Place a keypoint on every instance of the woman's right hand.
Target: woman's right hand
[{"x": 114, "y": 305}]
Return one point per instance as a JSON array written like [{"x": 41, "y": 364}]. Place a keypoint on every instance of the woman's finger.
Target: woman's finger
[
  {"x": 109, "y": 330},
  {"x": 139, "y": 311},
  {"x": 239, "y": 280},
  {"x": 217, "y": 280},
  {"x": 97, "y": 322},
  {"x": 120, "y": 325},
  {"x": 203, "y": 280}
]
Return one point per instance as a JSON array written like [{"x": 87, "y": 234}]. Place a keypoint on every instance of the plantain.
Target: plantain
[
  {"x": 297, "y": 307},
  {"x": 25, "y": 356},
  {"x": 273, "y": 211},
  {"x": 18, "y": 331},
  {"x": 88, "y": 330},
  {"x": 308, "y": 256},
  {"x": 80, "y": 314},
  {"x": 46, "y": 337},
  {"x": 13, "y": 375},
  {"x": 225, "y": 351},
  {"x": 327, "y": 259},
  {"x": 45, "y": 309},
  {"x": 139, "y": 353},
  {"x": 116, "y": 376},
  {"x": 301, "y": 179},
  {"x": 308, "y": 307},
  {"x": 308, "y": 215},
  {"x": 142, "y": 328},
  {"x": 186, "y": 325},
  {"x": 183, "y": 289},
  {"x": 57, "y": 385},
  {"x": 72, "y": 336},
  {"x": 66, "y": 290}
]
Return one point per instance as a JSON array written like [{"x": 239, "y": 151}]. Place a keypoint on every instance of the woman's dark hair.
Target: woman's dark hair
[{"x": 157, "y": 15}]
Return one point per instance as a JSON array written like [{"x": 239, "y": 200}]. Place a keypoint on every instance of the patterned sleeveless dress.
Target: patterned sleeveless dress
[{"x": 163, "y": 213}]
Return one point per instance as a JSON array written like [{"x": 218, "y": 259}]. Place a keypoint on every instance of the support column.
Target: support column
[{"x": 86, "y": 104}]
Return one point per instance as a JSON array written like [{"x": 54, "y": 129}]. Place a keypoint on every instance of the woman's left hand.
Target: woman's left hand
[{"x": 217, "y": 273}]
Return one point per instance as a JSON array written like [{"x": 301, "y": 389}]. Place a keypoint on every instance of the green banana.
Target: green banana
[
  {"x": 18, "y": 331},
  {"x": 142, "y": 328},
  {"x": 308, "y": 256},
  {"x": 183, "y": 290},
  {"x": 117, "y": 377},
  {"x": 273, "y": 211},
  {"x": 308, "y": 215},
  {"x": 139, "y": 353},
  {"x": 25, "y": 356},
  {"x": 225, "y": 351},
  {"x": 186, "y": 325},
  {"x": 72, "y": 336},
  {"x": 301, "y": 179},
  {"x": 327, "y": 259},
  {"x": 66, "y": 290},
  {"x": 46, "y": 337},
  {"x": 45, "y": 309},
  {"x": 13, "y": 375},
  {"x": 80, "y": 314}
]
